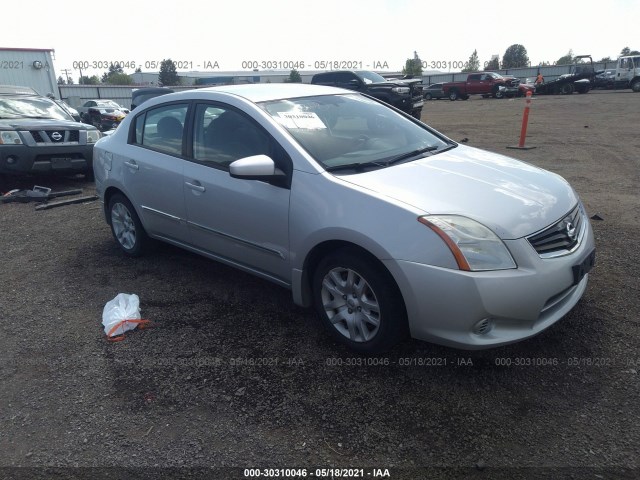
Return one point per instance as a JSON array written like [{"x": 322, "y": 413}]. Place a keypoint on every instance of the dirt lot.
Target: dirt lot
[{"x": 233, "y": 375}]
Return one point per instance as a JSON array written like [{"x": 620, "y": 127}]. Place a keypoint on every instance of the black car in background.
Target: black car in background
[
  {"x": 38, "y": 137},
  {"x": 606, "y": 79},
  {"x": 102, "y": 113}
]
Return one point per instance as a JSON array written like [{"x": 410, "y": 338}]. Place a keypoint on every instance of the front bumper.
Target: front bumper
[
  {"x": 25, "y": 159},
  {"x": 450, "y": 307}
]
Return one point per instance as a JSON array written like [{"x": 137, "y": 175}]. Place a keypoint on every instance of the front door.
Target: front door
[{"x": 245, "y": 222}]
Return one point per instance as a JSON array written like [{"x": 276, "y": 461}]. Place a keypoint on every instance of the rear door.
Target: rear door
[{"x": 152, "y": 170}]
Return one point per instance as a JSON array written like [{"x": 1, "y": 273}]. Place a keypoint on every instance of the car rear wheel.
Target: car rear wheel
[
  {"x": 126, "y": 226},
  {"x": 453, "y": 95},
  {"x": 635, "y": 86},
  {"x": 358, "y": 302}
]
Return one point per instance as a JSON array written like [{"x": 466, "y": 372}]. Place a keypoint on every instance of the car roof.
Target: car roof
[{"x": 261, "y": 92}]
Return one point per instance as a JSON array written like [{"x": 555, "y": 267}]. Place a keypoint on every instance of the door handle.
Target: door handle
[
  {"x": 193, "y": 186},
  {"x": 132, "y": 164}
]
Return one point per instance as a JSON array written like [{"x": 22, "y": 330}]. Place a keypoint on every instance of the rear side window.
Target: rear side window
[{"x": 162, "y": 128}]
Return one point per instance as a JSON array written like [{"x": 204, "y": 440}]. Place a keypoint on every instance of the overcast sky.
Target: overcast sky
[{"x": 200, "y": 34}]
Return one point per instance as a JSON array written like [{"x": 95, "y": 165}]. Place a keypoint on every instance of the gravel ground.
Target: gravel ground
[{"x": 232, "y": 375}]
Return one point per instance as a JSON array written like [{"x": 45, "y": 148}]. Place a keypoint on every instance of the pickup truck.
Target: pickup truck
[
  {"x": 482, "y": 83},
  {"x": 405, "y": 94}
]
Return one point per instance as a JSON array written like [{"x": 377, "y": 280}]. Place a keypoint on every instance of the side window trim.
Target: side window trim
[{"x": 274, "y": 145}]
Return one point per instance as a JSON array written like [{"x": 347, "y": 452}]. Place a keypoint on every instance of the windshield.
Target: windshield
[
  {"x": 344, "y": 131},
  {"x": 370, "y": 77},
  {"x": 31, "y": 107}
]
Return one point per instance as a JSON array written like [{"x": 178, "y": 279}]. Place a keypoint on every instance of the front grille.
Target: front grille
[
  {"x": 561, "y": 237},
  {"x": 37, "y": 137},
  {"x": 55, "y": 136}
]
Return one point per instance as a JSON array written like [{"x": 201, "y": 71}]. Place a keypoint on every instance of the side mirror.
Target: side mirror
[{"x": 256, "y": 167}]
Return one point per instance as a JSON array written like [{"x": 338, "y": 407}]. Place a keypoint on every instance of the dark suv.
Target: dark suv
[
  {"x": 37, "y": 136},
  {"x": 140, "y": 95},
  {"x": 405, "y": 95}
]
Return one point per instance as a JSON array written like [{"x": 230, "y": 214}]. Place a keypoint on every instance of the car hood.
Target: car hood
[
  {"x": 42, "y": 124},
  {"x": 512, "y": 198}
]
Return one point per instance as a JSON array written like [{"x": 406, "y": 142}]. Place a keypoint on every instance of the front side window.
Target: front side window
[
  {"x": 339, "y": 131},
  {"x": 162, "y": 128},
  {"x": 223, "y": 135}
]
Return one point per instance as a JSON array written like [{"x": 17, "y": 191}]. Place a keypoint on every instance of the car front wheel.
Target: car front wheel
[
  {"x": 358, "y": 302},
  {"x": 126, "y": 226}
]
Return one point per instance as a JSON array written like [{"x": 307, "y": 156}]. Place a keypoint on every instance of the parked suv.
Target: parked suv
[
  {"x": 140, "y": 95},
  {"x": 37, "y": 136},
  {"x": 405, "y": 94}
]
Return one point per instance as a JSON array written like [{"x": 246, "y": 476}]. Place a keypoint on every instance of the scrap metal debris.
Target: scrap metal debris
[
  {"x": 37, "y": 194},
  {"x": 42, "y": 195}
]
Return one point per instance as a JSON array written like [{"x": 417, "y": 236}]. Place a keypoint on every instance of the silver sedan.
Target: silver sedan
[{"x": 385, "y": 226}]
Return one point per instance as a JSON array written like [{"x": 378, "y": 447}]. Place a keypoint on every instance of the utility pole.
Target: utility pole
[{"x": 66, "y": 72}]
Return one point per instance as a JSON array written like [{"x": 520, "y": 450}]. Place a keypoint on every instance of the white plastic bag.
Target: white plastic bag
[{"x": 118, "y": 312}]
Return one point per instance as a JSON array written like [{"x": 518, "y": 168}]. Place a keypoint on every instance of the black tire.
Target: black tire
[
  {"x": 635, "y": 86},
  {"x": 417, "y": 114},
  {"x": 351, "y": 315},
  {"x": 465, "y": 97},
  {"x": 567, "y": 89},
  {"x": 126, "y": 227},
  {"x": 497, "y": 93},
  {"x": 453, "y": 95},
  {"x": 428, "y": 96}
]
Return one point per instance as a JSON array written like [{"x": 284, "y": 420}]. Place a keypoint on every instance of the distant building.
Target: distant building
[{"x": 29, "y": 67}]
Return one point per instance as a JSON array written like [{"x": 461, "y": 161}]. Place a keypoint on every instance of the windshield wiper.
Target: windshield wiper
[
  {"x": 354, "y": 166},
  {"x": 413, "y": 153},
  {"x": 41, "y": 117}
]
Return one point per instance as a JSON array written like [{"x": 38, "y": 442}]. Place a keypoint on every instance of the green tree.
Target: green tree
[
  {"x": 119, "y": 79},
  {"x": 86, "y": 80},
  {"x": 294, "y": 77},
  {"x": 168, "y": 75},
  {"x": 627, "y": 51},
  {"x": 114, "y": 69},
  {"x": 473, "y": 65},
  {"x": 515, "y": 56},
  {"x": 413, "y": 66},
  {"x": 493, "y": 64},
  {"x": 566, "y": 59},
  {"x": 605, "y": 59},
  {"x": 61, "y": 80},
  {"x": 138, "y": 70}
]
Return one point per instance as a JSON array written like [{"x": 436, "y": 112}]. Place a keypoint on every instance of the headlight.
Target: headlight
[
  {"x": 93, "y": 136},
  {"x": 10, "y": 138},
  {"x": 473, "y": 245},
  {"x": 401, "y": 89}
]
